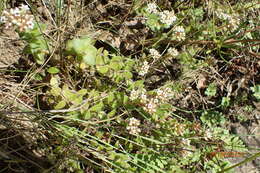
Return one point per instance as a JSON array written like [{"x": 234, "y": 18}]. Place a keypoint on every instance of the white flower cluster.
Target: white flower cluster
[
  {"x": 19, "y": 17},
  {"x": 208, "y": 134},
  {"x": 151, "y": 105},
  {"x": 173, "y": 52},
  {"x": 151, "y": 8},
  {"x": 178, "y": 33},
  {"x": 166, "y": 17},
  {"x": 179, "y": 129},
  {"x": 143, "y": 96},
  {"x": 164, "y": 94},
  {"x": 233, "y": 20},
  {"x": 133, "y": 126},
  {"x": 233, "y": 24},
  {"x": 144, "y": 69},
  {"x": 221, "y": 15},
  {"x": 154, "y": 53},
  {"x": 135, "y": 94}
]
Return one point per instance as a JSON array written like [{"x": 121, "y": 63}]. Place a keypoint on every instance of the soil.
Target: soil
[
  {"x": 10, "y": 48},
  {"x": 249, "y": 133}
]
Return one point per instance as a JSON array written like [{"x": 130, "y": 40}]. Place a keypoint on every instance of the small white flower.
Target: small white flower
[
  {"x": 173, "y": 52},
  {"x": 24, "y": 7},
  {"x": 134, "y": 121},
  {"x": 151, "y": 8},
  {"x": 156, "y": 101},
  {"x": 8, "y": 25},
  {"x": 16, "y": 22},
  {"x": 29, "y": 17},
  {"x": 30, "y": 24},
  {"x": 179, "y": 29},
  {"x": 168, "y": 91},
  {"x": 5, "y": 12},
  {"x": 143, "y": 98},
  {"x": 154, "y": 53},
  {"x": 3, "y": 19},
  {"x": 208, "y": 134},
  {"x": 23, "y": 20},
  {"x": 186, "y": 142},
  {"x": 16, "y": 12}
]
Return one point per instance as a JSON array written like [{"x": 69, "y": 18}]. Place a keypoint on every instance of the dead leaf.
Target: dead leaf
[{"x": 201, "y": 82}]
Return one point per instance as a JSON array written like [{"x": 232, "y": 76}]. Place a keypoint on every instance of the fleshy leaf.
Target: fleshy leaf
[{"x": 84, "y": 50}]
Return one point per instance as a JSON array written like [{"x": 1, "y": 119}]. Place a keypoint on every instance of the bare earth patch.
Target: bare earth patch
[
  {"x": 249, "y": 133},
  {"x": 10, "y": 48}
]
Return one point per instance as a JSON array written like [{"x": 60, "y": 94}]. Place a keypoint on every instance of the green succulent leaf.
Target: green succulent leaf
[
  {"x": 60, "y": 105},
  {"x": 53, "y": 70},
  {"x": 256, "y": 90},
  {"x": 37, "y": 44},
  {"x": 83, "y": 49}
]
